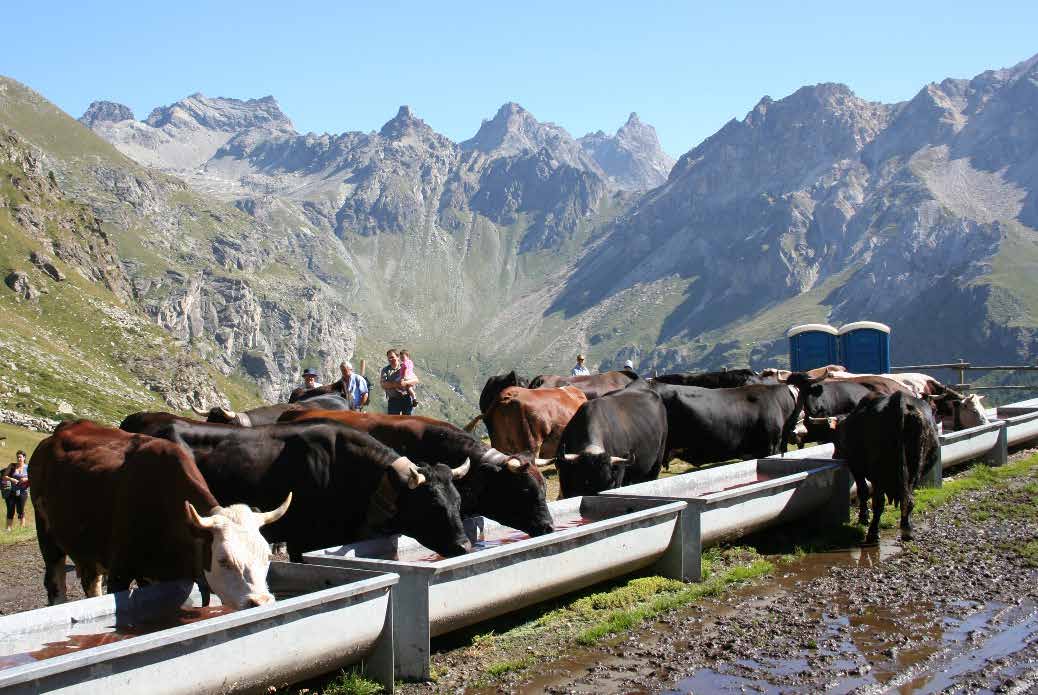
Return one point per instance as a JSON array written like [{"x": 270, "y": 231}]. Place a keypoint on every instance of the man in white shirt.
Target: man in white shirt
[
  {"x": 354, "y": 387},
  {"x": 580, "y": 369}
]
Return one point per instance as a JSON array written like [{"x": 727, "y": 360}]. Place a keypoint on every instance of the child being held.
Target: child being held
[{"x": 407, "y": 372}]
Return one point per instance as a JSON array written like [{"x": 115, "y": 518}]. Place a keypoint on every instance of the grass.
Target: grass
[
  {"x": 351, "y": 683},
  {"x": 978, "y": 477},
  {"x": 1029, "y": 552},
  {"x": 591, "y": 616}
]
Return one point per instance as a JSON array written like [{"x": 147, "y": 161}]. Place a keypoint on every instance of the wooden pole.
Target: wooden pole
[{"x": 363, "y": 368}]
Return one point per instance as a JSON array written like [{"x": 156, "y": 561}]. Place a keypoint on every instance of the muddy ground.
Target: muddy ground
[{"x": 954, "y": 610}]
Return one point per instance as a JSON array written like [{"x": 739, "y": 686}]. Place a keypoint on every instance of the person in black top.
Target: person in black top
[
  {"x": 16, "y": 480},
  {"x": 395, "y": 385}
]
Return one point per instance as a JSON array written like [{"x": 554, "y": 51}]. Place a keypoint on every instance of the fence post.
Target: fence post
[{"x": 962, "y": 371}]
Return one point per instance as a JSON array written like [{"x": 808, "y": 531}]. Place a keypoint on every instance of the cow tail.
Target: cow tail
[
  {"x": 902, "y": 468},
  {"x": 472, "y": 425}
]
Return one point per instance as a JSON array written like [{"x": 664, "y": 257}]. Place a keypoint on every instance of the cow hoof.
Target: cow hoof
[{"x": 906, "y": 536}]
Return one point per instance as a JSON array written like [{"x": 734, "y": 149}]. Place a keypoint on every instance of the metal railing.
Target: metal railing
[{"x": 962, "y": 366}]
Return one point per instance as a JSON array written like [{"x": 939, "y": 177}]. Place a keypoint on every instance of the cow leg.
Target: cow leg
[
  {"x": 863, "y": 499},
  {"x": 907, "y": 504},
  {"x": 54, "y": 559},
  {"x": 877, "y": 511},
  {"x": 92, "y": 581}
]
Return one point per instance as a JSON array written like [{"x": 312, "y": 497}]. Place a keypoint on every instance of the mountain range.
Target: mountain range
[{"x": 259, "y": 249}]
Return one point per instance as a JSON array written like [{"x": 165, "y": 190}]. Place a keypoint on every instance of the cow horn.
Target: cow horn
[
  {"x": 541, "y": 463},
  {"x": 462, "y": 470},
  {"x": 196, "y": 411},
  {"x": 414, "y": 478},
  {"x": 229, "y": 414},
  {"x": 571, "y": 457},
  {"x": 616, "y": 459},
  {"x": 472, "y": 425},
  {"x": 197, "y": 520},
  {"x": 272, "y": 516}
]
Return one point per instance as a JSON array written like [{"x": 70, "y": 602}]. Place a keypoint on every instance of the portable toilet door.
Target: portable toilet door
[
  {"x": 811, "y": 345},
  {"x": 865, "y": 347}
]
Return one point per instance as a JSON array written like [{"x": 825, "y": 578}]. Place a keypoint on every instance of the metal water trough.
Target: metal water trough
[
  {"x": 438, "y": 595},
  {"x": 335, "y": 617},
  {"x": 733, "y": 500}
]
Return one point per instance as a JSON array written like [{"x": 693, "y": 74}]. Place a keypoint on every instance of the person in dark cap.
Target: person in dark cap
[{"x": 309, "y": 379}]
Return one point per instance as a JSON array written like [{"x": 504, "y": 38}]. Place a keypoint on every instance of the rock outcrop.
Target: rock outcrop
[
  {"x": 105, "y": 112},
  {"x": 633, "y": 158}
]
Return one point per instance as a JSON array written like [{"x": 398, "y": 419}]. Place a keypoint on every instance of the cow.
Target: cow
[
  {"x": 531, "y": 419},
  {"x": 269, "y": 414},
  {"x": 506, "y": 488},
  {"x": 891, "y": 441},
  {"x": 488, "y": 395},
  {"x": 709, "y": 425},
  {"x": 347, "y": 485},
  {"x": 593, "y": 385},
  {"x": 781, "y": 375},
  {"x": 128, "y": 506},
  {"x": 821, "y": 397},
  {"x": 732, "y": 378},
  {"x": 618, "y": 439}
]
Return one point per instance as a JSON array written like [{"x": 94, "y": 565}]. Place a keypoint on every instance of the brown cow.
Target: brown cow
[
  {"x": 593, "y": 385},
  {"x": 532, "y": 420},
  {"x": 125, "y": 506}
]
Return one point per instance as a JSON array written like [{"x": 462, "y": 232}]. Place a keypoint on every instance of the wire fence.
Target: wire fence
[{"x": 962, "y": 367}]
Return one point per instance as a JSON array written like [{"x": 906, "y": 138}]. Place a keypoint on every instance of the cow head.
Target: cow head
[
  {"x": 239, "y": 555},
  {"x": 427, "y": 505},
  {"x": 590, "y": 472},
  {"x": 511, "y": 490},
  {"x": 958, "y": 412}
]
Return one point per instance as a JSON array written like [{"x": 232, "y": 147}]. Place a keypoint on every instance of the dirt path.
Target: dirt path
[
  {"x": 957, "y": 608},
  {"x": 21, "y": 578}
]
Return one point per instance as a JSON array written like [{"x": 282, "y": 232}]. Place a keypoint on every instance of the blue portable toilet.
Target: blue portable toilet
[
  {"x": 865, "y": 347},
  {"x": 811, "y": 345}
]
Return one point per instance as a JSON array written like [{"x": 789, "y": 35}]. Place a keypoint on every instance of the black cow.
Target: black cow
[
  {"x": 269, "y": 414},
  {"x": 823, "y": 398},
  {"x": 730, "y": 379},
  {"x": 709, "y": 425},
  {"x": 892, "y": 442},
  {"x": 346, "y": 484},
  {"x": 618, "y": 439},
  {"x": 506, "y": 488}
]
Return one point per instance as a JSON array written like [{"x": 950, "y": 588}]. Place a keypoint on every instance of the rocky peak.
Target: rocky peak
[
  {"x": 633, "y": 158},
  {"x": 512, "y": 130},
  {"x": 105, "y": 112},
  {"x": 403, "y": 124},
  {"x": 221, "y": 114}
]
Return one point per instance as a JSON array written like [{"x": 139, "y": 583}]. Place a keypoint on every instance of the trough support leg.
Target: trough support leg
[
  {"x": 411, "y": 627},
  {"x": 684, "y": 558},
  {"x": 379, "y": 665},
  {"x": 999, "y": 455},
  {"x": 935, "y": 477}
]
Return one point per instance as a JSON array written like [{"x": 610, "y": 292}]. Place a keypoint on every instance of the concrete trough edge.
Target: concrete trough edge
[{"x": 91, "y": 609}]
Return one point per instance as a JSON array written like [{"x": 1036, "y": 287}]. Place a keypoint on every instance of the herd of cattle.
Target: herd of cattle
[{"x": 166, "y": 497}]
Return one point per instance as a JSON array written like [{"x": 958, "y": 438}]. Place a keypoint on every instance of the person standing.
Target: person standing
[
  {"x": 17, "y": 477},
  {"x": 392, "y": 381},
  {"x": 309, "y": 379},
  {"x": 353, "y": 387},
  {"x": 580, "y": 369}
]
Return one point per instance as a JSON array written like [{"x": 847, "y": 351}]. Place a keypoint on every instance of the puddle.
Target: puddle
[
  {"x": 907, "y": 648},
  {"x": 87, "y": 635}
]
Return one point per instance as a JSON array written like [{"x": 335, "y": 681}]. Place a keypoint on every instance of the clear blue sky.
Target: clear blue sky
[{"x": 686, "y": 68}]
